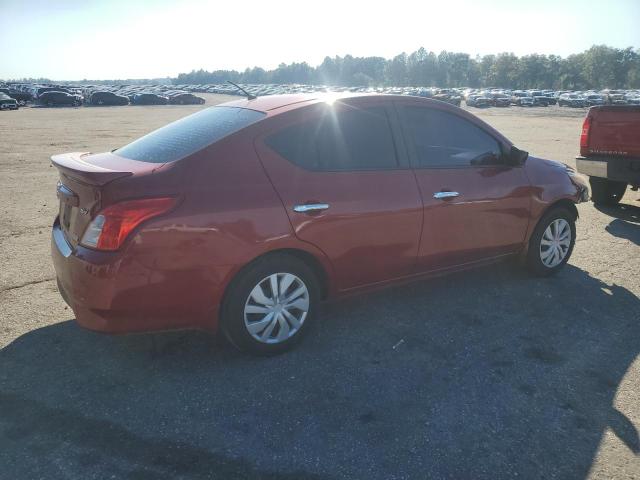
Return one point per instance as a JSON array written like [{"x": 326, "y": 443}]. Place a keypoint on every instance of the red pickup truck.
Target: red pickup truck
[{"x": 610, "y": 151}]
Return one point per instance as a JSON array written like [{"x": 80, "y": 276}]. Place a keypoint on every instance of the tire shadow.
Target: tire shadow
[{"x": 626, "y": 223}]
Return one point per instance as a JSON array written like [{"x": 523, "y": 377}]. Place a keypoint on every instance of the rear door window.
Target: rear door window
[
  {"x": 342, "y": 138},
  {"x": 443, "y": 139},
  {"x": 189, "y": 134}
]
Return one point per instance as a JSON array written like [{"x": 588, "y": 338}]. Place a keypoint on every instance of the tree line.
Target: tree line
[{"x": 599, "y": 67}]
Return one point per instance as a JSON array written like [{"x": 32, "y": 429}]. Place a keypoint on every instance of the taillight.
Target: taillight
[
  {"x": 109, "y": 229},
  {"x": 584, "y": 136}
]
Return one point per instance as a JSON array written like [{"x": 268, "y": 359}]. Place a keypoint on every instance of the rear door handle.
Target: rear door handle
[
  {"x": 310, "y": 207},
  {"x": 443, "y": 195}
]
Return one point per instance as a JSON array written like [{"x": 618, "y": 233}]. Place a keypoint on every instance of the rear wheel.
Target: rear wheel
[
  {"x": 552, "y": 242},
  {"x": 270, "y": 306},
  {"x": 606, "y": 192}
]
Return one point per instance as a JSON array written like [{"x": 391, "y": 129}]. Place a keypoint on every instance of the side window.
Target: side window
[
  {"x": 341, "y": 138},
  {"x": 443, "y": 139}
]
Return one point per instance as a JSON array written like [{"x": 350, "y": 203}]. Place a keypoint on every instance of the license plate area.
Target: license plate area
[
  {"x": 65, "y": 216},
  {"x": 68, "y": 201}
]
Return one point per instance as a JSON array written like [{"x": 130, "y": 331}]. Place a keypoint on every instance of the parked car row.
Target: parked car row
[
  {"x": 140, "y": 95},
  {"x": 492, "y": 97},
  {"x": 544, "y": 98},
  {"x": 66, "y": 95},
  {"x": 103, "y": 95}
]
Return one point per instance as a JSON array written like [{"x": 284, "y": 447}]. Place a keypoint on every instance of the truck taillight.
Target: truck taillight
[
  {"x": 584, "y": 136},
  {"x": 109, "y": 229}
]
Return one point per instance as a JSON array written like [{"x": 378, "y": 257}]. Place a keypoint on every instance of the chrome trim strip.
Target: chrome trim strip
[{"x": 61, "y": 241}]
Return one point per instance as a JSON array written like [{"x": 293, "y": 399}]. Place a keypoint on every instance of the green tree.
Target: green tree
[{"x": 396, "y": 72}]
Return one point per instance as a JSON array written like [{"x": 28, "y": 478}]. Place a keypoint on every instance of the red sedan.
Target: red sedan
[{"x": 246, "y": 215}]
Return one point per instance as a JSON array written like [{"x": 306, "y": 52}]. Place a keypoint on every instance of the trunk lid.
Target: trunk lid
[{"x": 88, "y": 183}]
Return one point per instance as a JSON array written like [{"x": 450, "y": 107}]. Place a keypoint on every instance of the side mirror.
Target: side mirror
[{"x": 517, "y": 157}]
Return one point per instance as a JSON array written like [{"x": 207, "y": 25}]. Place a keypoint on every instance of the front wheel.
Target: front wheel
[
  {"x": 552, "y": 242},
  {"x": 606, "y": 192},
  {"x": 270, "y": 306}
]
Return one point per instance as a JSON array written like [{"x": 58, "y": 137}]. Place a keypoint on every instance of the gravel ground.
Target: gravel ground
[{"x": 484, "y": 375}]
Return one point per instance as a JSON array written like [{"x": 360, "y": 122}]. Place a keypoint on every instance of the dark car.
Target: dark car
[
  {"x": 446, "y": 95},
  {"x": 186, "y": 99},
  {"x": 21, "y": 97},
  {"x": 244, "y": 216},
  {"x": 552, "y": 99},
  {"x": 499, "y": 99},
  {"x": 40, "y": 90},
  {"x": 8, "y": 103},
  {"x": 541, "y": 99},
  {"x": 149, "y": 99},
  {"x": 54, "y": 98},
  {"x": 525, "y": 101},
  {"x": 478, "y": 101},
  {"x": 571, "y": 100},
  {"x": 106, "y": 98},
  {"x": 594, "y": 100}
]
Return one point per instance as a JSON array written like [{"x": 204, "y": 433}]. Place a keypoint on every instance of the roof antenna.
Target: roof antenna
[{"x": 250, "y": 96}]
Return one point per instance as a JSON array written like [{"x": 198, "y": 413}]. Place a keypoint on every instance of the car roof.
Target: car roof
[
  {"x": 274, "y": 104},
  {"x": 277, "y": 104}
]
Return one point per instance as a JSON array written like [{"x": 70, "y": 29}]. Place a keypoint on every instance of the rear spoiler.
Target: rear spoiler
[{"x": 74, "y": 165}]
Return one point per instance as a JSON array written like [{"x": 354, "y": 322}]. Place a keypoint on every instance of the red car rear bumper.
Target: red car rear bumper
[{"x": 111, "y": 292}]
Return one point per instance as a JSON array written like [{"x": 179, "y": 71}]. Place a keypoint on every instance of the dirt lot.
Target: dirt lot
[{"x": 489, "y": 374}]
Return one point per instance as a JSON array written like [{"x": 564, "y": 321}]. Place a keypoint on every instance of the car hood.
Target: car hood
[{"x": 550, "y": 163}]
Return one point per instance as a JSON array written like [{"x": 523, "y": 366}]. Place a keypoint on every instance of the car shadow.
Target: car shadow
[
  {"x": 627, "y": 221},
  {"x": 487, "y": 374}
]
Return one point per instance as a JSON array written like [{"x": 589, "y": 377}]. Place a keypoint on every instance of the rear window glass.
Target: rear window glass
[
  {"x": 188, "y": 135},
  {"x": 340, "y": 139}
]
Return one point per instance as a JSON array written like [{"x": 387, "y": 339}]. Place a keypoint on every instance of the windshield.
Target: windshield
[{"x": 189, "y": 134}]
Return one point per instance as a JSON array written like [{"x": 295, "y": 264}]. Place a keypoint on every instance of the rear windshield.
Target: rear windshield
[{"x": 188, "y": 135}]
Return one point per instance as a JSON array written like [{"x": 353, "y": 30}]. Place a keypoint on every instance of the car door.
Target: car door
[
  {"x": 345, "y": 188},
  {"x": 475, "y": 205}
]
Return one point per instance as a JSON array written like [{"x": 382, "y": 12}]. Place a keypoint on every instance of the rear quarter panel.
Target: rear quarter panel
[{"x": 229, "y": 215}]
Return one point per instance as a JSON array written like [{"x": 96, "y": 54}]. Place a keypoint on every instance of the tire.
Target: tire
[
  {"x": 538, "y": 260},
  {"x": 606, "y": 192},
  {"x": 244, "y": 294}
]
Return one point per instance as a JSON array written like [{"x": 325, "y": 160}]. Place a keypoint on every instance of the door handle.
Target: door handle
[
  {"x": 310, "y": 207},
  {"x": 443, "y": 195}
]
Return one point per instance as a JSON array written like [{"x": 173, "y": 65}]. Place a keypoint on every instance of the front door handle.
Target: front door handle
[
  {"x": 443, "y": 195},
  {"x": 310, "y": 207}
]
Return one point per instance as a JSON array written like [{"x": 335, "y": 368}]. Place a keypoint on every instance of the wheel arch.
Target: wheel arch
[
  {"x": 564, "y": 203},
  {"x": 311, "y": 261},
  {"x": 306, "y": 257}
]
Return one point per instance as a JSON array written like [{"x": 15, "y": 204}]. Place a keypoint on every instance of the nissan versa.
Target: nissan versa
[{"x": 246, "y": 215}]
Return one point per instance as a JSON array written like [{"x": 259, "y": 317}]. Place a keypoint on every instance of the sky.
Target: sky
[{"x": 78, "y": 39}]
